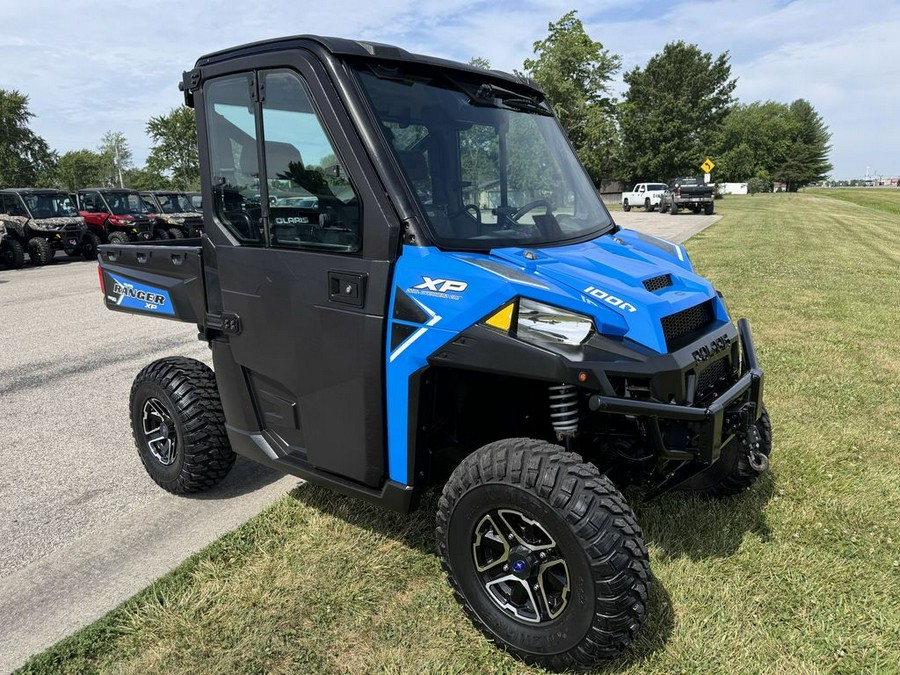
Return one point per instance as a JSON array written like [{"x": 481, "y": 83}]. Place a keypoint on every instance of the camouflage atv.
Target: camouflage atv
[
  {"x": 12, "y": 255},
  {"x": 176, "y": 217},
  {"x": 43, "y": 222}
]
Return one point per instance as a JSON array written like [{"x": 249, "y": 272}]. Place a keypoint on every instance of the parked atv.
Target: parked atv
[
  {"x": 12, "y": 255},
  {"x": 456, "y": 308},
  {"x": 42, "y": 222},
  {"x": 115, "y": 215},
  {"x": 176, "y": 217}
]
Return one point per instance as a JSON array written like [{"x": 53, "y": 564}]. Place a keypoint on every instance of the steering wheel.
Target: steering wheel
[
  {"x": 531, "y": 206},
  {"x": 474, "y": 207}
]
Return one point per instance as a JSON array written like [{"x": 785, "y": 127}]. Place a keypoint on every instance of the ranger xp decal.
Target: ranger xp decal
[{"x": 133, "y": 295}]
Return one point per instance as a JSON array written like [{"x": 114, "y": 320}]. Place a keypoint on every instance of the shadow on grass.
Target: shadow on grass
[
  {"x": 416, "y": 530},
  {"x": 699, "y": 527}
]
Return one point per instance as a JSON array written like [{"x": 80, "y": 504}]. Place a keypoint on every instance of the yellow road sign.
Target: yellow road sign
[{"x": 708, "y": 165}]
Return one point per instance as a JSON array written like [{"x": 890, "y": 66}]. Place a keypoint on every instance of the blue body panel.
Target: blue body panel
[{"x": 602, "y": 278}]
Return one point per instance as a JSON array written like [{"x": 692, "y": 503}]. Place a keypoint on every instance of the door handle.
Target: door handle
[{"x": 347, "y": 288}]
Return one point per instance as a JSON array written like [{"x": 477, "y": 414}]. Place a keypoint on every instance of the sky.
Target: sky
[{"x": 90, "y": 66}]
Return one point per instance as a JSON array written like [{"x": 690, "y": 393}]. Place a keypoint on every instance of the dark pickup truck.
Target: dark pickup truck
[{"x": 687, "y": 193}]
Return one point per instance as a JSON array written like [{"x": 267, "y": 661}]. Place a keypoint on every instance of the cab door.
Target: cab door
[{"x": 299, "y": 269}]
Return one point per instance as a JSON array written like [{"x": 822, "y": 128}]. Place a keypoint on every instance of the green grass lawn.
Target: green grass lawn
[{"x": 800, "y": 575}]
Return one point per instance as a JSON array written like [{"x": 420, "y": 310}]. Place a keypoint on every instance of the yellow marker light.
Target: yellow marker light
[{"x": 502, "y": 318}]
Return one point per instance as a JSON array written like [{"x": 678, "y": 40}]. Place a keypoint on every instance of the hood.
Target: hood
[
  {"x": 628, "y": 282},
  {"x": 54, "y": 223}
]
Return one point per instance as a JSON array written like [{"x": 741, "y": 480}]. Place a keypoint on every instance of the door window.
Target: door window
[
  {"x": 231, "y": 128},
  {"x": 12, "y": 207},
  {"x": 312, "y": 203}
]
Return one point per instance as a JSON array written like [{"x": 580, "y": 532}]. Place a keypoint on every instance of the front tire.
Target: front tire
[
  {"x": 175, "y": 233},
  {"x": 12, "y": 255},
  {"x": 734, "y": 472},
  {"x": 179, "y": 426},
  {"x": 89, "y": 244},
  {"x": 544, "y": 555},
  {"x": 626, "y": 206},
  {"x": 118, "y": 238},
  {"x": 708, "y": 209},
  {"x": 647, "y": 205},
  {"x": 40, "y": 251}
]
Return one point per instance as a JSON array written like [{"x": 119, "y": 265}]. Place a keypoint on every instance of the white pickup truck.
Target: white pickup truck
[{"x": 643, "y": 194}]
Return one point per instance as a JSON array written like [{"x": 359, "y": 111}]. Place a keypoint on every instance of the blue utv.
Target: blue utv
[{"x": 406, "y": 280}]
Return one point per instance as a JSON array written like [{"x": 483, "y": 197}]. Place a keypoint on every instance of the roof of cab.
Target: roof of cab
[{"x": 356, "y": 48}]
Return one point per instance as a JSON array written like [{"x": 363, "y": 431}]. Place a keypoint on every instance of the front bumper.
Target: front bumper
[{"x": 731, "y": 412}]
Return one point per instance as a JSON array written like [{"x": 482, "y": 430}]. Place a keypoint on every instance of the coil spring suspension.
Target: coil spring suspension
[{"x": 564, "y": 410}]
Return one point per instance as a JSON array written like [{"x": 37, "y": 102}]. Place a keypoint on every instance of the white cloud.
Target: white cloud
[{"x": 94, "y": 65}]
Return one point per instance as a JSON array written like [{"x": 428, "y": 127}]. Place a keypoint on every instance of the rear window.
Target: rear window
[{"x": 656, "y": 186}]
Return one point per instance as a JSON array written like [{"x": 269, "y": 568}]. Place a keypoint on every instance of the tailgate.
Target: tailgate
[{"x": 157, "y": 280}]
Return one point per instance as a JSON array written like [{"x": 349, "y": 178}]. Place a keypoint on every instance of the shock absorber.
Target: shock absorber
[{"x": 564, "y": 410}]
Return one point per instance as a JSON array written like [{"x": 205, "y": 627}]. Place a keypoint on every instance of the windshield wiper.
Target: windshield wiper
[{"x": 526, "y": 105}]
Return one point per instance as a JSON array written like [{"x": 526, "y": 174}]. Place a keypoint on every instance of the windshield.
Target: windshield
[
  {"x": 174, "y": 202},
  {"x": 125, "y": 203},
  {"x": 490, "y": 166},
  {"x": 50, "y": 205}
]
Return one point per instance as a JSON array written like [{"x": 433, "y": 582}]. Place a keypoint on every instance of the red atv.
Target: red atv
[{"x": 115, "y": 215}]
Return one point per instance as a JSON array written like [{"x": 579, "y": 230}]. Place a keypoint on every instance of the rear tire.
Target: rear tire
[
  {"x": 570, "y": 587},
  {"x": 626, "y": 206},
  {"x": 40, "y": 251},
  {"x": 160, "y": 233},
  {"x": 12, "y": 255},
  {"x": 733, "y": 473},
  {"x": 179, "y": 426},
  {"x": 118, "y": 238},
  {"x": 673, "y": 210},
  {"x": 175, "y": 233},
  {"x": 89, "y": 244},
  {"x": 708, "y": 209}
]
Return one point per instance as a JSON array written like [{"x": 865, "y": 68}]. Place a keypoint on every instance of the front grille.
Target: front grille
[
  {"x": 72, "y": 228},
  {"x": 714, "y": 373},
  {"x": 658, "y": 283},
  {"x": 684, "y": 323}
]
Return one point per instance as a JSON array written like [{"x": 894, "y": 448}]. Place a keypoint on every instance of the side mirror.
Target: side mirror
[{"x": 333, "y": 170}]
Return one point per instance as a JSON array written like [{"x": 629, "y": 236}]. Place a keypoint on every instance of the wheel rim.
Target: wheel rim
[
  {"x": 520, "y": 566},
  {"x": 159, "y": 432}
]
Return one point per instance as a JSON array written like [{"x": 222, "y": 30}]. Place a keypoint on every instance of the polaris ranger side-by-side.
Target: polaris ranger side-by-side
[
  {"x": 456, "y": 307},
  {"x": 42, "y": 221},
  {"x": 115, "y": 215},
  {"x": 176, "y": 217}
]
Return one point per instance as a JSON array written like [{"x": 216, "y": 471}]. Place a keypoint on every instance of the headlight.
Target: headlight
[{"x": 540, "y": 323}]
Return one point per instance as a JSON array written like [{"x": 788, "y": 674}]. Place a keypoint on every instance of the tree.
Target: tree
[
  {"x": 145, "y": 179},
  {"x": 174, "y": 152},
  {"x": 81, "y": 168},
  {"x": 480, "y": 62},
  {"x": 754, "y": 141},
  {"x": 25, "y": 157},
  {"x": 807, "y": 156},
  {"x": 575, "y": 73},
  {"x": 116, "y": 156},
  {"x": 673, "y": 111}
]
